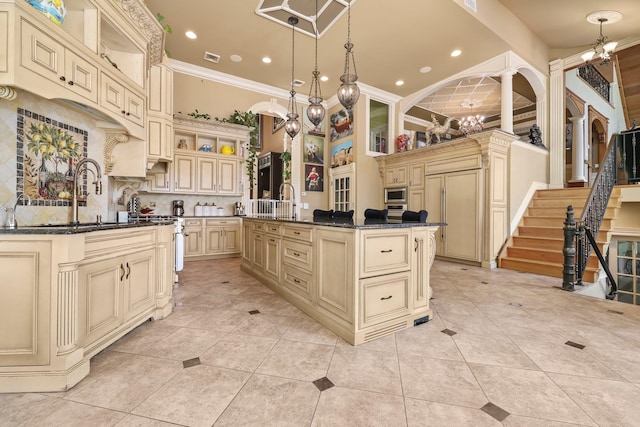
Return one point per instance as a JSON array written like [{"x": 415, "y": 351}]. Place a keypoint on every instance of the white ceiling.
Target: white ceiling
[{"x": 393, "y": 41}]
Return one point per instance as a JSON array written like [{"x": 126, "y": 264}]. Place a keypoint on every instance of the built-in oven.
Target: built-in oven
[
  {"x": 395, "y": 195},
  {"x": 394, "y": 212}
]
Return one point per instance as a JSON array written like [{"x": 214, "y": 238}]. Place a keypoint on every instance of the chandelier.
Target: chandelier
[
  {"x": 472, "y": 123},
  {"x": 348, "y": 92},
  {"x": 315, "y": 111},
  {"x": 292, "y": 125},
  {"x": 601, "y": 48}
]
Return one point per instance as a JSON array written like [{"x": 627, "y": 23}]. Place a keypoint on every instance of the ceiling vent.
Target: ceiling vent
[
  {"x": 211, "y": 57},
  {"x": 297, "y": 83}
]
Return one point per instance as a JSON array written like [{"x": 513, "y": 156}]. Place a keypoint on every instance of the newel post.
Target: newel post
[{"x": 569, "y": 251}]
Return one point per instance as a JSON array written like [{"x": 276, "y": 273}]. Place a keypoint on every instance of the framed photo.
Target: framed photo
[
  {"x": 257, "y": 144},
  {"x": 313, "y": 149},
  {"x": 313, "y": 180},
  {"x": 341, "y": 124},
  {"x": 277, "y": 124},
  {"x": 341, "y": 154}
]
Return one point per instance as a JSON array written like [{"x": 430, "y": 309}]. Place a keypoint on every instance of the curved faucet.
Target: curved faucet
[
  {"x": 293, "y": 196},
  {"x": 11, "y": 212},
  {"x": 97, "y": 183}
]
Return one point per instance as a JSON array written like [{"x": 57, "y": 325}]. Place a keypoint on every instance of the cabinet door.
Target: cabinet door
[
  {"x": 462, "y": 214},
  {"x": 416, "y": 200},
  {"x": 247, "y": 237},
  {"x": 139, "y": 295},
  {"x": 232, "y": 239},
  {"x": 416, "y": 175},
  {"x": 227, "y": 176},
  {"x": 207, "y": 175},
  {"x": 433, "y": 204},
  {"x": 41, "y": 54},
  {"x": 111, "y": 94},
  {"x": 193, "y": 241},
  {"x": 159, "y": 182},
  {"x": 81, "y": 76},
  {"x": 213, "y": 240},
  {"x": 160, "y": 139},
  {"x": 272, "y": 258},
  {"x": 257, "y": 251},
  {"x": 99, "y": 297},
  {"x": 422, "y": 267},
  {"x": 396, "y": 176},
  {"x": 335, "y": 275},
  {"x": 184, "y": 173},
  {"x": 384, "y": 298},
  {"x": 134, "y": 107}
]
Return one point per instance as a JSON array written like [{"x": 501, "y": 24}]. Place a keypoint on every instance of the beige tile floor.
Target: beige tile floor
[{"x": 501, "y": 360}]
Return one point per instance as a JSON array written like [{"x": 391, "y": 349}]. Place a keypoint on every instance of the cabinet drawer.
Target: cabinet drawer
[
  {"x": 384, "y": 253},
  {"x": 384, "y": 298},
  {"x": 222, "y": 222},
  {"x": 297, "y": 233},
  {"x": 297, "y": 254},
  {"x": 192, "y": 222},
  {"x": 257, "y": 226},
  {"x": 297, "y": 281},
  {"x": 274, "y": 228}
]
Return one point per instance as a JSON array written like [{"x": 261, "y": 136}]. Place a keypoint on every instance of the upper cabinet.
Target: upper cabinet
[{"x": 98, "y": 56}]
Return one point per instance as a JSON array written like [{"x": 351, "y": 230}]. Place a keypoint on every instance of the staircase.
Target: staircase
[{"x": 536, "y": 246}]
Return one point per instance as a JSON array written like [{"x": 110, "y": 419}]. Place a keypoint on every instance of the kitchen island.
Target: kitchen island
[
  {"x": 67, "y": 292},
  {"x": 361, "y": 279}
]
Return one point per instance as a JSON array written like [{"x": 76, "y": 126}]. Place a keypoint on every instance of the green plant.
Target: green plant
[
  {"x": 198, "y": 115},
  {"x": 248, "y": 119},
  {"x": 167, "y": 29},
  {"x": 286, "y": 159}
]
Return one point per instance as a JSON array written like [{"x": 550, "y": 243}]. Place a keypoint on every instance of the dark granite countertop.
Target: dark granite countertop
[
  {"x": 80, "y": 228},
  {"x": 356, "y": 223}
]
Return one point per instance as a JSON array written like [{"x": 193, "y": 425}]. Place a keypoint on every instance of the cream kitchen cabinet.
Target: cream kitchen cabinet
[
  {"x": 222, "y": 236},
  {"x": 184, "y": 173},
  {"x": 121, "y": 100},
  {"x": 396, "y": 176},
  {"x": 415, "y": 191},
  {"x": 298, "y": 261},
  {"x": 205, "y": 174},
  {"x": 160, "y": 139},
  {"x": 454, "y": 198},
  {"x": 193, "y": 237}
]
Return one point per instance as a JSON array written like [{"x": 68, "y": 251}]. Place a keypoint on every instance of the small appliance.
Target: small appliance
[
  {"x": 238, "y": 209},
  {"x": 178, "y": 207},
  {"x": 395, "y": 195}
]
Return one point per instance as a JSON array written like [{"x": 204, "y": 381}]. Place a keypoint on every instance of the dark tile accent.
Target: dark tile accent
[
  {"x": 615, "y": 312},
  {"x": 323, "y": 383},
  {"x": 575, "y": 344},
  {"x": 484, "y": 283},
  {"x": 226, "y": 281},
  {"x": 515, "y": 304},
  {"x": 495, "y": 411},
  {"x": 463, "y": 269},
  {"x": 191, "y": 362},
  {"x": 254, "y": 312},
  {"x": 448, "y": 332}
]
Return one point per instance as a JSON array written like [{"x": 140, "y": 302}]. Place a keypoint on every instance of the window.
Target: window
[
  {"x": 378, "y": 128},
  {"x": 628, "y": 269},
  {"x": 342, "y": 182}
]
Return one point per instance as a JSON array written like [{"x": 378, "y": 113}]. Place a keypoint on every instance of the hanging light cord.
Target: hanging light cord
[
  {"x": 349, "y": 45},
  {"x": 293, "y": 53}
]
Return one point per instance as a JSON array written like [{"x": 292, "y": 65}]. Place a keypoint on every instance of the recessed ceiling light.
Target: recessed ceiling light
[
  {"x": 456, "y": 52},
  {"x": 399, "y": 83},
  {"x": 236, "y": 58},
  {"x": 425, "y": 69},
  {"x": 324, "y": 78},
  {"x": 191, "y": 35},
  {"x": 266, "y": 60}
]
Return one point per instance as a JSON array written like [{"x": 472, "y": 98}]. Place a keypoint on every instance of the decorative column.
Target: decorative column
[
  {"x": 577, "y": 147},
  {"x": 67, "y": 333},
  {"x": 557, "y": 134},
  {"x": 506, "y": 114},
  {"x": 7, "y": 93}
]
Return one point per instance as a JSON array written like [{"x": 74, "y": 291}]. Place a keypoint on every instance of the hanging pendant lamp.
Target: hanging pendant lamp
[
  {"x": 315, "y": 111},
  {"x": 292, "y": 125},
  {"x": 348, "y": 92}
]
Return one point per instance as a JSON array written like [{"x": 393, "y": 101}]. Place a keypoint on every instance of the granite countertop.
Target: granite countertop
[
  {"x": 356, "y": 223},
  {"x": 80, "y": 228}
]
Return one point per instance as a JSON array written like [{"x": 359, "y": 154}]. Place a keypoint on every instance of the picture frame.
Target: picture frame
[
  {"x": 278, "y": 122},
  {"x": 258, "y": 143}
]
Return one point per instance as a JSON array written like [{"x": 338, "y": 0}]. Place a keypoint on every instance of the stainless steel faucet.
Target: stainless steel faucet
[
  {"x": 97, "y": 183},
  {"x": 11, "y": 212},
  {"x": 293, "y": 196}
]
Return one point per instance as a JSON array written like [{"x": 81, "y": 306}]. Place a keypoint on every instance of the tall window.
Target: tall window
[
  {"x": 343, "y": 183},
  {"x": 627, "y": 259},
  {"x": 378, "y": 128}
]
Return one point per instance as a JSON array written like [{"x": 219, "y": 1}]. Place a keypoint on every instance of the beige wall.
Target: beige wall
[
  {"x": 628, "y": 216},
  {"x": 271, "y": 142},
  {"x": 529, "y": 166}
]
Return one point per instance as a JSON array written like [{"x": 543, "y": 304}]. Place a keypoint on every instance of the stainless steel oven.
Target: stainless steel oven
[
  {"x": 395, "y": 212},
  {"x": 395, "y": 195}
]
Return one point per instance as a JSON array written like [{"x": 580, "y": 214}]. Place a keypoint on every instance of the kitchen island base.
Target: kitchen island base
[{"x": 360, "y": 281}]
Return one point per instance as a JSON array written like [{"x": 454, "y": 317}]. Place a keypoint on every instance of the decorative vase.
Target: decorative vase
[{"x": 53, "y": 9}]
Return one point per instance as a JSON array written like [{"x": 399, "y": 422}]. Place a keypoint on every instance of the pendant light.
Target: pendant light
[
  {"x": 348, "y": 92},
  {"x": 315, "y": 111},
  {"x": 292, "y": 125}
]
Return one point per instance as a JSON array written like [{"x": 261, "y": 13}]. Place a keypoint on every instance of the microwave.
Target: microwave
[{"x": 395, "y": 195}]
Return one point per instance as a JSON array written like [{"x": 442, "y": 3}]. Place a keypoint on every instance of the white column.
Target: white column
[
  {"x": 557, "y": 134},
  {"x": 506, "y": 122},
  {"x": 577, "y": 145}
]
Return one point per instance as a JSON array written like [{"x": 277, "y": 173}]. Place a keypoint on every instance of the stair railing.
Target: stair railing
[{"x": 584, "y": 229}]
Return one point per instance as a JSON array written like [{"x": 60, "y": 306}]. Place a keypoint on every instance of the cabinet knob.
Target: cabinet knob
[
  {"x": 128, "y": 113},
  {"x": 122, "y": 111},
  {"x": 70, "y": 83},
  {"x": 63, "y": 78}
]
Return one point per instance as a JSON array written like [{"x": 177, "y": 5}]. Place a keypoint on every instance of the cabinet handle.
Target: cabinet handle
[
  {"x": 70, "y": 83},
  {"x": 128, "y": 270},
  {"x": 186, "y": 234},
  {"x": 272, "y": 240},
  {"x": 296, "y": 254},
  {"x": 415, "y": 249},
  {"x": 386, "y": 251},
  {"x": 122, "y": 275},
  {"x": 296, "y": 281},
  {"x": 385, "y": 298},
  {"x": 296, "y": 232},
  {"x": 63, "y": 78}
]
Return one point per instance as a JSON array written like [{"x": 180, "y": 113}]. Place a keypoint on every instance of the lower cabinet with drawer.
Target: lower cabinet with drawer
[
  {"x": 361, "y": 283},
  {"x": 210, "y": 238}
]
